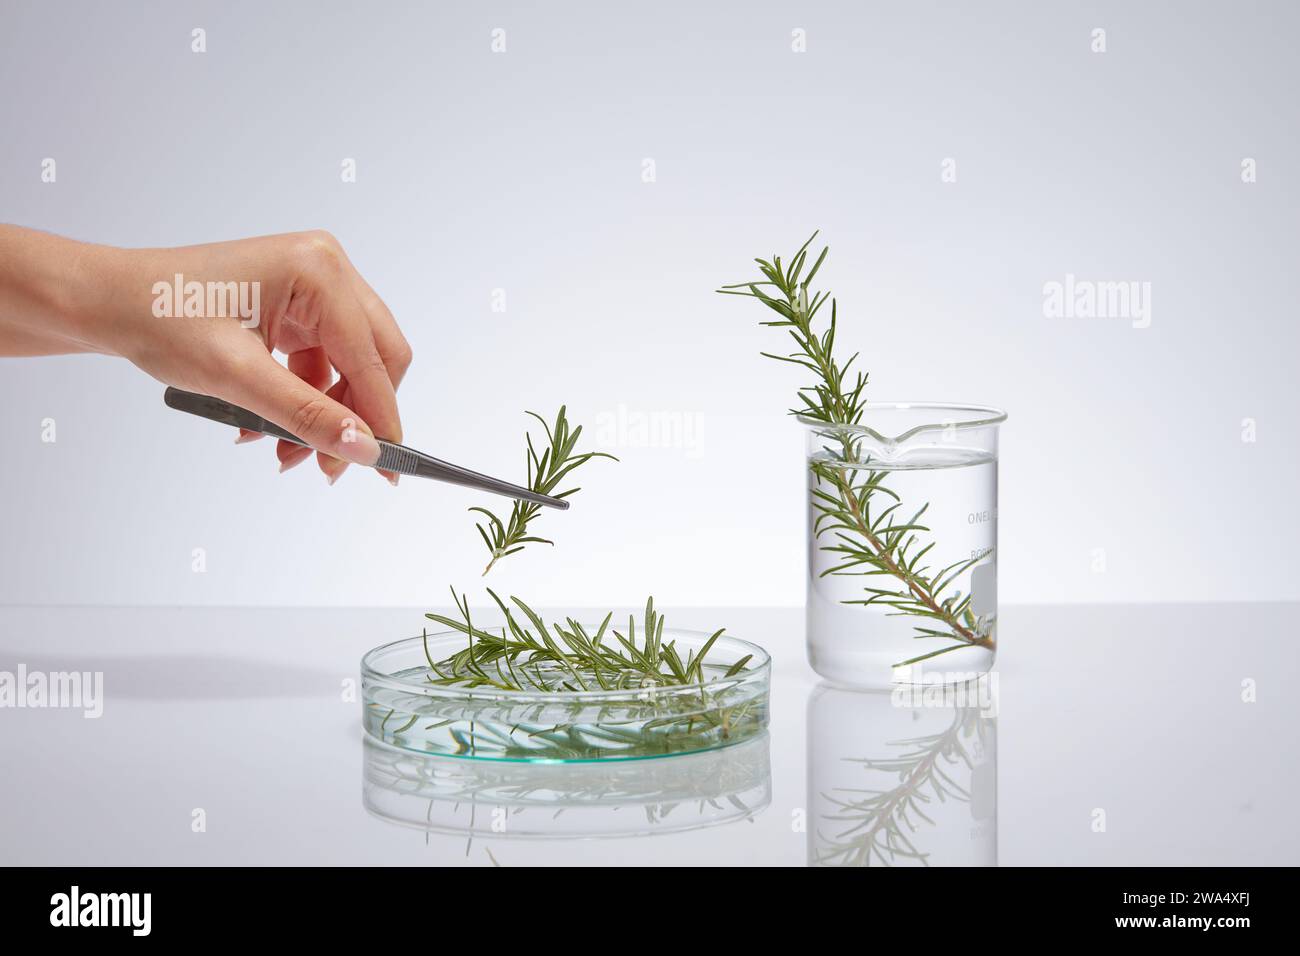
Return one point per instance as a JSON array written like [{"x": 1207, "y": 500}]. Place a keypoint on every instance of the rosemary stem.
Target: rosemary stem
[{"x": 961, "y": 632}]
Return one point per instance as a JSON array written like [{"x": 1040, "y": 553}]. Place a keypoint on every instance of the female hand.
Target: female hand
[{"x": 207, "y": 318}]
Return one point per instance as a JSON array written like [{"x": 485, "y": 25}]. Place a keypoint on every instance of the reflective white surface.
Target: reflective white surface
[{"x": 1131, "y": 717}]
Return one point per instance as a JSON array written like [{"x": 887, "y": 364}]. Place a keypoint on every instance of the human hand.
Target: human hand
[{"x": 296, "y": 293}]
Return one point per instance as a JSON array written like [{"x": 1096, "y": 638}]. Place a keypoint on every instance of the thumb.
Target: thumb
[{"x": 279, "y": 396}]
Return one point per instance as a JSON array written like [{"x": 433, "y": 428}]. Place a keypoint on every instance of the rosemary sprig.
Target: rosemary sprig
[
  {"x": 830, "y": 400},
  {"x": 867, "y": 543},
  {"x": 530, "y": 655},
  {"x": 545, "y": 471}
]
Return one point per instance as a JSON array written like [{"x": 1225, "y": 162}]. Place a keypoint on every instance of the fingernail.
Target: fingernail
[
  {"x": 332, "y": 467},
  {"x": 244, "y": 438},
  {"x": 392, "y": 479},
  {"x": 294, "y": 458},
  {"x": 360, "y": 447}
]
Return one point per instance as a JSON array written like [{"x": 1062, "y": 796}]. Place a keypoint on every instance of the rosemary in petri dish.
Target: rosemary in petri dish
[
  {"x": 858, "y": 518},
  {"x": 530, "y": 655},
  {"x": 545, "y": 471}
]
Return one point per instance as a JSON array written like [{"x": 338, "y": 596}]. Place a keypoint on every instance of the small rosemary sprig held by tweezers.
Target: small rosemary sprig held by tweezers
[{"x": 545, "y": 472}]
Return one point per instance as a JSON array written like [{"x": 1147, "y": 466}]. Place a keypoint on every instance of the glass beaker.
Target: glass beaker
[{"x": 902, "y": 543}]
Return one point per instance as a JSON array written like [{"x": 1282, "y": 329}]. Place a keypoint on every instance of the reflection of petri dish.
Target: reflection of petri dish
[
  {"x": 401, "y": 708},
  {"x": 518, "y": 801}
]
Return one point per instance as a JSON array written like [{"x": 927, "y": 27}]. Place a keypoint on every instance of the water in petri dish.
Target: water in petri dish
[
  {"x": 864, "y": 645},
  {"x": 646, "y": 722}
]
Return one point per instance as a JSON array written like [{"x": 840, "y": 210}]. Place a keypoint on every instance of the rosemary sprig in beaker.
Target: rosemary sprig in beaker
[{"x": 868, "y": 539}]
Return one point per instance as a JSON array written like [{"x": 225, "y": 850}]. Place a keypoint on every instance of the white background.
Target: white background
[{"x": 523, "y": 171}]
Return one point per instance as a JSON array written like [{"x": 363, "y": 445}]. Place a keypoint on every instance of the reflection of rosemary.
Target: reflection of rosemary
[
  {"x": 858, "y": 520},
  {"x": 545, "y": 472},
  {"x": 531, "y": 656},
  {"x": 880, "y": 824}
]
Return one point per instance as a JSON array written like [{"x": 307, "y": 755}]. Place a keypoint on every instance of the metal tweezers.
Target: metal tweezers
[{"x": 392, "y": 456}]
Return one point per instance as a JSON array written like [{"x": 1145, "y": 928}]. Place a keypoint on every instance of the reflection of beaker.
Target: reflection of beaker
[
  {"x": 907, "y": 778},
  {"x": 510, "y": 800}
]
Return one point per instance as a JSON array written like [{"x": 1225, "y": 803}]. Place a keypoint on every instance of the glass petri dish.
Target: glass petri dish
[{"x": 399, "y": 707}]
